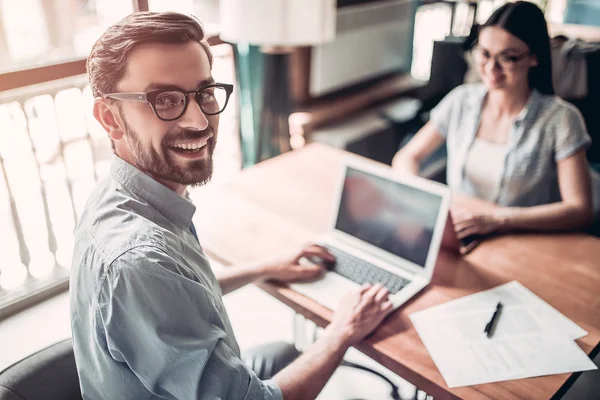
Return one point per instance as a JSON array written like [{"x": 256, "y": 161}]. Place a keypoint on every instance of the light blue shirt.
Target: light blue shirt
[
  {"x": 546, "y": 131},
  {"x": 147, "y": 316}
]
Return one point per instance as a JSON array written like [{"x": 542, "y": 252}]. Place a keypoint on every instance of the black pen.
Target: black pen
[{"x": 489, "y": 328}]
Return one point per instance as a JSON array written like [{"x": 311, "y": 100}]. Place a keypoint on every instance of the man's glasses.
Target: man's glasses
[
  {"x": 169, "y": 105},
  {"x": 505, "y": 61}
]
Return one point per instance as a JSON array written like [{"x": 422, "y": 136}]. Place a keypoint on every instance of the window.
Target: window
[
  {"x": 40, "y": 32},
  {"x": 207, "y": 11}
]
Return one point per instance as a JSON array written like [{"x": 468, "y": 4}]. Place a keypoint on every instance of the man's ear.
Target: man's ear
[{"x": 106, "y": 114}]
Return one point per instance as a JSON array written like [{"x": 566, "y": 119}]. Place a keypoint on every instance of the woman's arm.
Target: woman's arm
[
  {"x": 573, "y": 212},
  {"x": 426, "y": 141},
  {"x": 575, "y": 209}
]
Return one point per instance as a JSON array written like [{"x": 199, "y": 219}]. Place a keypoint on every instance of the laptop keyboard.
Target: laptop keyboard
[{"x": 361, "y": 272}]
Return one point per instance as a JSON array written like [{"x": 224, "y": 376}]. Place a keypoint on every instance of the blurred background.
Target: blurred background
[
  {"x": 364, "y": 80},
  {"x": 366, "y": 89}
]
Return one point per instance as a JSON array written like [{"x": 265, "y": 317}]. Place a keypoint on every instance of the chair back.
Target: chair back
[{"x": 48, "y": 374}]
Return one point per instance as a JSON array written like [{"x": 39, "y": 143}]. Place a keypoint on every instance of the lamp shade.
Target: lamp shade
[{"x": 278, "y": 22}]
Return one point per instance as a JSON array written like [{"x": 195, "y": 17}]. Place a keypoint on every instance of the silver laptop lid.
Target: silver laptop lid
[{"x": 397, "y": 218}]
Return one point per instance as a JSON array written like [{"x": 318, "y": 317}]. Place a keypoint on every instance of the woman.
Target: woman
[{"x": 510, "y": 140}]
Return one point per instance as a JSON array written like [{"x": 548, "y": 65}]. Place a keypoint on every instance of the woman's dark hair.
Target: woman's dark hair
[{"x": 526, "y": 21}]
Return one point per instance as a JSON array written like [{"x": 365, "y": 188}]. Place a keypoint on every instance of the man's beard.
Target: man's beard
[{"x": 163, "y": 165}]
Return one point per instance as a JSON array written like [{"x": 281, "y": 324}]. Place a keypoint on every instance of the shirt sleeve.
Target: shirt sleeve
[
  {"x": 441, "y": 114},
  {"x": 570, "y": 132},
  {"x": 168, "y": 331}
]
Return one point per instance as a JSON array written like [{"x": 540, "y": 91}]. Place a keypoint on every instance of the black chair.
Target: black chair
[{"x": 48, "y": 374}]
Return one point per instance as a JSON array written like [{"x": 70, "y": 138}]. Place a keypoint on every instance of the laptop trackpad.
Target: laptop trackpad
[{"x": 327, "y": 291}]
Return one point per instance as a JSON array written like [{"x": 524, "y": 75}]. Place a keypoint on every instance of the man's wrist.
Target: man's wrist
[
  {"x": 337, "y": 338},
  {"x": 255, "y": 272},
  {"x": 266, "y": 271}
]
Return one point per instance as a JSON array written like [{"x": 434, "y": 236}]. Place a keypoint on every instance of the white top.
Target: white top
[{"x": 484, "y": 167}]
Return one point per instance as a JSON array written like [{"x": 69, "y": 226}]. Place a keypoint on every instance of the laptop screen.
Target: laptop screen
[{"x": 394, "y": 217}]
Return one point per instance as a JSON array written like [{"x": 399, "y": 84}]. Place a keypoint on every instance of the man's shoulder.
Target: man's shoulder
[
  {"x": 112, "y": 224},
  {"x": 122, "y": 233}
]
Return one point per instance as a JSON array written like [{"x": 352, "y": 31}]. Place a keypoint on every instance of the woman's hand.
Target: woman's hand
[{"x": 477, "y": 223}]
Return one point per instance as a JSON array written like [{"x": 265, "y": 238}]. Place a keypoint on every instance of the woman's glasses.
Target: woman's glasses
[{"x": 504, "y": 60}]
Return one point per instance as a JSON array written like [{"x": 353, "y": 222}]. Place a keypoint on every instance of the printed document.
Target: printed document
[{"x": 531, "y": 338}]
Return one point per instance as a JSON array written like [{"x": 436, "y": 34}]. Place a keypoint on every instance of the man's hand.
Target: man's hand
[
  {"x": 360, "y": 312},
  {"x": 291, "y": 271},
  {"x": 285, "y": 270}
]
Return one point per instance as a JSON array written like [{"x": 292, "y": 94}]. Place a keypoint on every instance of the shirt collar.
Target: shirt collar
[
  {"x": 476, "y": 100},
  {"x": 532, "y": 102},
  {"x": 174, "y": 207}
]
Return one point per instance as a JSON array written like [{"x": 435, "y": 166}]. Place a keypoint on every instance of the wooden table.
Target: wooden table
[{"x": 282, "y": 204}]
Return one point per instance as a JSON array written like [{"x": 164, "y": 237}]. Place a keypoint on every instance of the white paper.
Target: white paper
[
  {"x": 531, "y": 338},
  {"x": 511, "y": 294}
]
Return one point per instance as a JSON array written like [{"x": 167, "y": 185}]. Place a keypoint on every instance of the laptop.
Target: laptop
[{"x": 386, "y": 228}]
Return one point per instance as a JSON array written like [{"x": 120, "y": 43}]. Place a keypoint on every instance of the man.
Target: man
[{"x": 148, "y": 320}]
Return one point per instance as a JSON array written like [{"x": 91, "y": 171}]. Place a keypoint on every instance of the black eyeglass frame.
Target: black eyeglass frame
[
  {"x": 150, "y": 98},
  {"x": 513, "y": 59}
]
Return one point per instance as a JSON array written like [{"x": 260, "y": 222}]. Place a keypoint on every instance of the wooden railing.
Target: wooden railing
[
  {"x": 43, "y": 125},
  {"x": 49, "y": 158}
]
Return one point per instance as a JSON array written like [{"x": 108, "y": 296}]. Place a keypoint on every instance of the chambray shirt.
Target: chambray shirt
[
  {"x": 546, "y": 131},
  {"x": 147, "y": 316}
]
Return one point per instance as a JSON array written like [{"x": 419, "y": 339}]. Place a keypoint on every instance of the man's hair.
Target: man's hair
[{"x": 108, "y": 58}]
